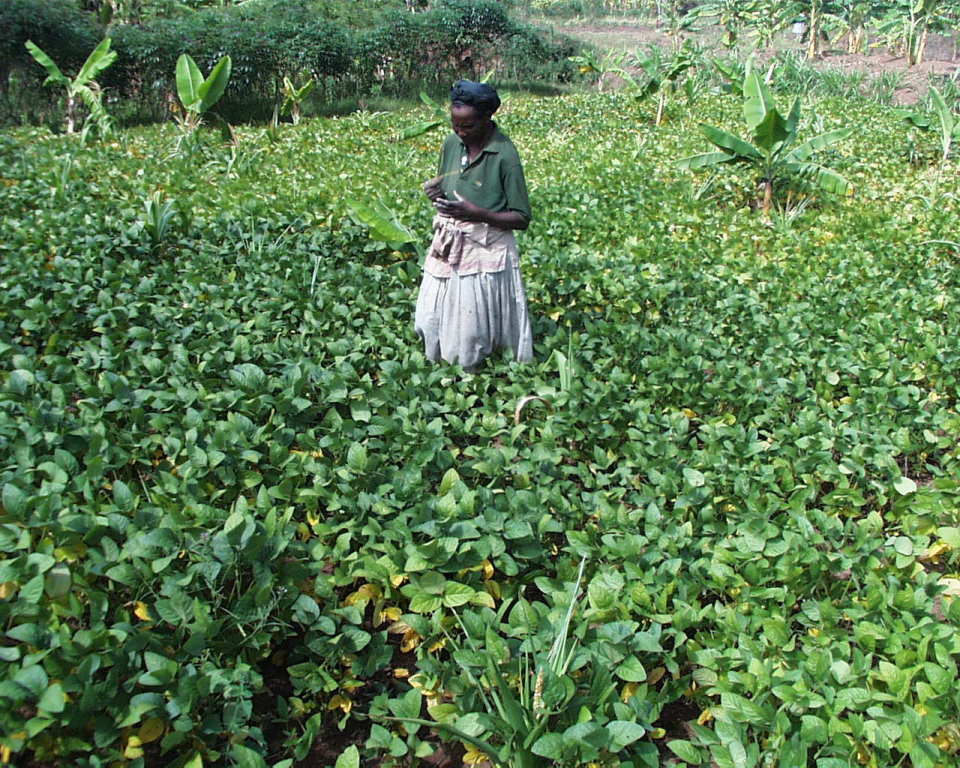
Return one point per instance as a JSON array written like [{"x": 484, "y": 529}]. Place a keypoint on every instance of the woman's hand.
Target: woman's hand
[
  {"x": 433, "y": 189},
  {"x": 464, "y": 210},
  {"x": 461, "y": 209}
]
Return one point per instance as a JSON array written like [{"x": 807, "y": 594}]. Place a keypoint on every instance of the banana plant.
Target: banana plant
[
  {"x": 773, "y": 151},
  {"x": 922, "y": 15},
  {"x": 83, "y": 88},
  {"x": 663, "y": 75},
  {"x": 949, "y": 125},
  {"x": 731, "y": 15},
  {"x": 293, "y": 97},
  {"x": 198, "y": 94},
  {"x": 613, "y": 63}
]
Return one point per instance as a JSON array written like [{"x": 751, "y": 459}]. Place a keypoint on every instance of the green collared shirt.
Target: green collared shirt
[{"x": 494, "y": 180}]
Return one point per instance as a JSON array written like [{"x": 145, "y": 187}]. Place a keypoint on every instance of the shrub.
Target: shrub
[
  {"x": 56, "y": 26},
  {"x": 454, "y": 39}
]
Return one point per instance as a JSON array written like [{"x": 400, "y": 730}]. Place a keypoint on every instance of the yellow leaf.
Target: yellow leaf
[
  {"x": 656, "y": 674},
  {"x": 400, "y": 673},
  {"x": 151, "y": 730},
  {"x": 365, "y": 594},
  {"x": 705, "y": 717},
  {"x": 398, "y": 628},
  {"x": 341, "y": 703},
  {"x": 657, "y": 733},
  {"x": 437, "y": 645},
  {"x": 410, "y": 641},
  {"x": 303, "y": 532},
  {"x": 398, "y": 578},
  {"x": 142, "y": 611},
  {"x": 493, "y": 589},
  {"x": 474, "y": 756},
  {"x": 487, "y": 570},
  {"x": 933, "y": 552},
  {"x": 628, "y": 691},
  {"x": 690, "y": 414},
  {"x": 132, "y": 751},
  {"x": 7, "y": 589},
  {"x": 431, "y": 695},
  {"x": 390, "y": 613}
]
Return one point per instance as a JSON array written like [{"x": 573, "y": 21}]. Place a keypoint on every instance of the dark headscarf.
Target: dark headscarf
[{"x": 480, "y": 96}]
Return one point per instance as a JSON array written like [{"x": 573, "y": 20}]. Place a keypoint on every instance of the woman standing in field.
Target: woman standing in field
[{"x": 471, "y": 300}]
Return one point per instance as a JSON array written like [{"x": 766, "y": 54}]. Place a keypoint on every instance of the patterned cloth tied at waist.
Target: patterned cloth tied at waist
[{"x": 468, "y": 248}]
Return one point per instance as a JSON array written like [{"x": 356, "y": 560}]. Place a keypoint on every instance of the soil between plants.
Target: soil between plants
[{"x": 941, "y": 58}]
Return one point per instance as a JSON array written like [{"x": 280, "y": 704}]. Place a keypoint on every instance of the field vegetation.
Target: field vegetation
[{"x": 716, "y": 523}]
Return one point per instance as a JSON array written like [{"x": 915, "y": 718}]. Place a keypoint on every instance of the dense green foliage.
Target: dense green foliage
[
  {"x": 242, "y": 511},
  {"x": 391, "y": 52}
]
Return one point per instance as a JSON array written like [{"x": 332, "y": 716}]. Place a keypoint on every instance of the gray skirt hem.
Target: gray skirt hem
[{"x": 464, "y": 319}]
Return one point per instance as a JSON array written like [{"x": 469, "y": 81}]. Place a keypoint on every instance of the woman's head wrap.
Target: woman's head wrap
[{"x": 480, "y": 96}]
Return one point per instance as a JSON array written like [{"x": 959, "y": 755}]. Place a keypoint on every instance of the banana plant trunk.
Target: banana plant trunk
[
  {"x": 855, "y": 40},
  {"x": 71, "y": 113},
  {"x": 921, "y": 47},
  {"x": 813, "y": 30},
  {"x": 767, "y": 196}
]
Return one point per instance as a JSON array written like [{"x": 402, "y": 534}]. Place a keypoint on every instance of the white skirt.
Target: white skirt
[{"x": 463, "y": 319}]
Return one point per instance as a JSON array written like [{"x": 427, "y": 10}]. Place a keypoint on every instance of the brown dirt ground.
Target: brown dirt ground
[{"x": 941, "y": 59}]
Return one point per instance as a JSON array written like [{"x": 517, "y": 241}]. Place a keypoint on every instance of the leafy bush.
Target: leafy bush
[
  {"x": 57, "y": 26},
  {"x": 268, "y": 42}
]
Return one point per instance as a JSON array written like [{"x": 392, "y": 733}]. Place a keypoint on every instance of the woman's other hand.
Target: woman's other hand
[{"x": 432, "y": 188}]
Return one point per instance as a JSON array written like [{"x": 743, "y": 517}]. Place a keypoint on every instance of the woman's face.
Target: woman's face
[{"x": 469, "y": 124}]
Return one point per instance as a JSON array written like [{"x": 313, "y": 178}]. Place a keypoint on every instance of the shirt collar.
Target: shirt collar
[{"x": 495, "y": 144}]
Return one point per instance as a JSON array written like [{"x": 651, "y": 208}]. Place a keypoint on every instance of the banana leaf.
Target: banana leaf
[
  {"x": 306, "y": 90},
  {"x": 771, "y": 133},
  {"x": 705, "y": 160},
  {"x": 729, "y": 72},
  {"x": 945, "y": 116},
  {"x": 99, "y": 59},
  {"x": 730, "y": 143},
  {"x": 757, "y": 100},
  {"x": 803, "y": 151},
  {"x": 793, "y": 120},
  {"x": 211, "y": 89},
  {"x": 379, "y": 219},
  {"x": 826, "y": 179},
  {"x": 420, "y": 128},
  {"x": 54, "y": 75},
  {"x": 189, "y": 81}
]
